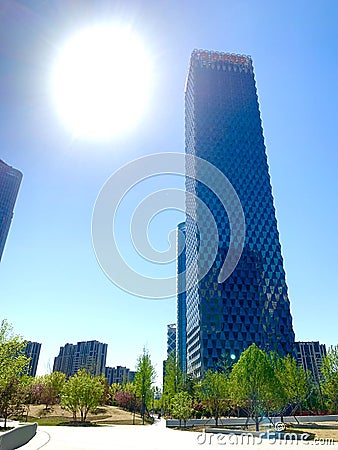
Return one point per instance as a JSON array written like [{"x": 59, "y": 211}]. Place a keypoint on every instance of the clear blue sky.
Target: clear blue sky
[{"x": 52, "y": 289}]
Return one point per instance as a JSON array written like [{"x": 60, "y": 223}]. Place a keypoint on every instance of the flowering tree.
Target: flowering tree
[{"x": 47, "y": 389}]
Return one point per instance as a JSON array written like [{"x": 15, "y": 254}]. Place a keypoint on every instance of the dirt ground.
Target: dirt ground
[
  {"x": 323, "y": 430},
  {"x": 102, "y": 415}
]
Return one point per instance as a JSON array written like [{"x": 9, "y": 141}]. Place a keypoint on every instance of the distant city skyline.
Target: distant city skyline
[
  {"x": 88, "y": 355},
  {"x": 52, "y": 288},
  {"x": 309, "y": 355}
]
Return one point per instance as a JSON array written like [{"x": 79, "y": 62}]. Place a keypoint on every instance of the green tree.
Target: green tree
[
  {"x": 252, "y": 382},
  {"x": 81, "y": 393},
  {"x": 181, "y": 406},
  {"x": 144, "y": 379},
  {"x": 293, "y": 384},
  {"x": 214, "y": 392},
  {"x": 330, "y": 378},
  {"x": 173, "y": 381},
  {"x": 190, "y": 385},
  {"x": 13, "y": 367},
  {"x": 113, "y": 389},
  {"x": 128, "y": 387}
]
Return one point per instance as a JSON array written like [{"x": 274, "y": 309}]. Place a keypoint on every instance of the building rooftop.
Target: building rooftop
[{"x": 210, "y": 56}]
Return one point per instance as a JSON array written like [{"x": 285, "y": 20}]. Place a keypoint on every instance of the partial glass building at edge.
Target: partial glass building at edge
[
  {"x": 10, "y": 180},
  {"x": 223, "y": 126}
]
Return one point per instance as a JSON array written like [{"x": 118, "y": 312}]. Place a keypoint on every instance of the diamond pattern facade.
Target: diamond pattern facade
[
  {"x": 223, "y": 126},
  {"x": 171, "y": 339}
]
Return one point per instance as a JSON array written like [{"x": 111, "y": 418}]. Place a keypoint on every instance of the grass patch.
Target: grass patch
[
  {"x": 46, "y": 421},
  {"x": 78, "y": 424},
  {"x": 60, "y": 421},
  {"x": 138, "y": 421}
]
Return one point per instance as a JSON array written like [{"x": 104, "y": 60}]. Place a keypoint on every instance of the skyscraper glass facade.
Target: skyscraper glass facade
[
  {"x": 171, "y": 339},
  {"x": 181, "y": 338},
  {"x": 223, "y": 126},
  {"x": 10, "y": 180}
]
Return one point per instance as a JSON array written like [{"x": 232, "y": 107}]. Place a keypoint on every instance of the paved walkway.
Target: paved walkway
[{"x": 150, "y": 437}]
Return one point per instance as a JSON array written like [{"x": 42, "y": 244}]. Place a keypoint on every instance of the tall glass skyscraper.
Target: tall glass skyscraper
[
  {"x": 223, "y": 126},
  {"x": 10, "y": 180}
]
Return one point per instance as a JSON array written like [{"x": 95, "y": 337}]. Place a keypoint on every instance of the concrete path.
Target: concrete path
[{"x": 150, "y": 437}]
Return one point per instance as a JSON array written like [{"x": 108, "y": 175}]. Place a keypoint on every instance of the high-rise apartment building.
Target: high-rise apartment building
[
  {"x": 119, "y": 375},
  {"x": 10, "y": 180},
  {"x": 64, "y": 361},
  {"x": 223, "y": 126},
  {"x": 89, "y": 355},
  {"x": 32, "y": 351},
  {"x": 310, "y": 356}
]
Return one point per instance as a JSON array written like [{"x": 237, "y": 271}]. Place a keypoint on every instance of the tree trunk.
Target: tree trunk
[
  {"x": 247, "y": 421},
  {"x": 27, "y": 412},
  {"x": 143, "y": 408},
  {"x": 257, "y": 423}
]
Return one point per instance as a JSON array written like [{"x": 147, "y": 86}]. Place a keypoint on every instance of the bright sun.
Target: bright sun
[{"x": 101, "y": 82}]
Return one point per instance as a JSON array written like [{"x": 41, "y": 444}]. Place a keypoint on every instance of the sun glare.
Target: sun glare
[{"x": 101, "y": 81}]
